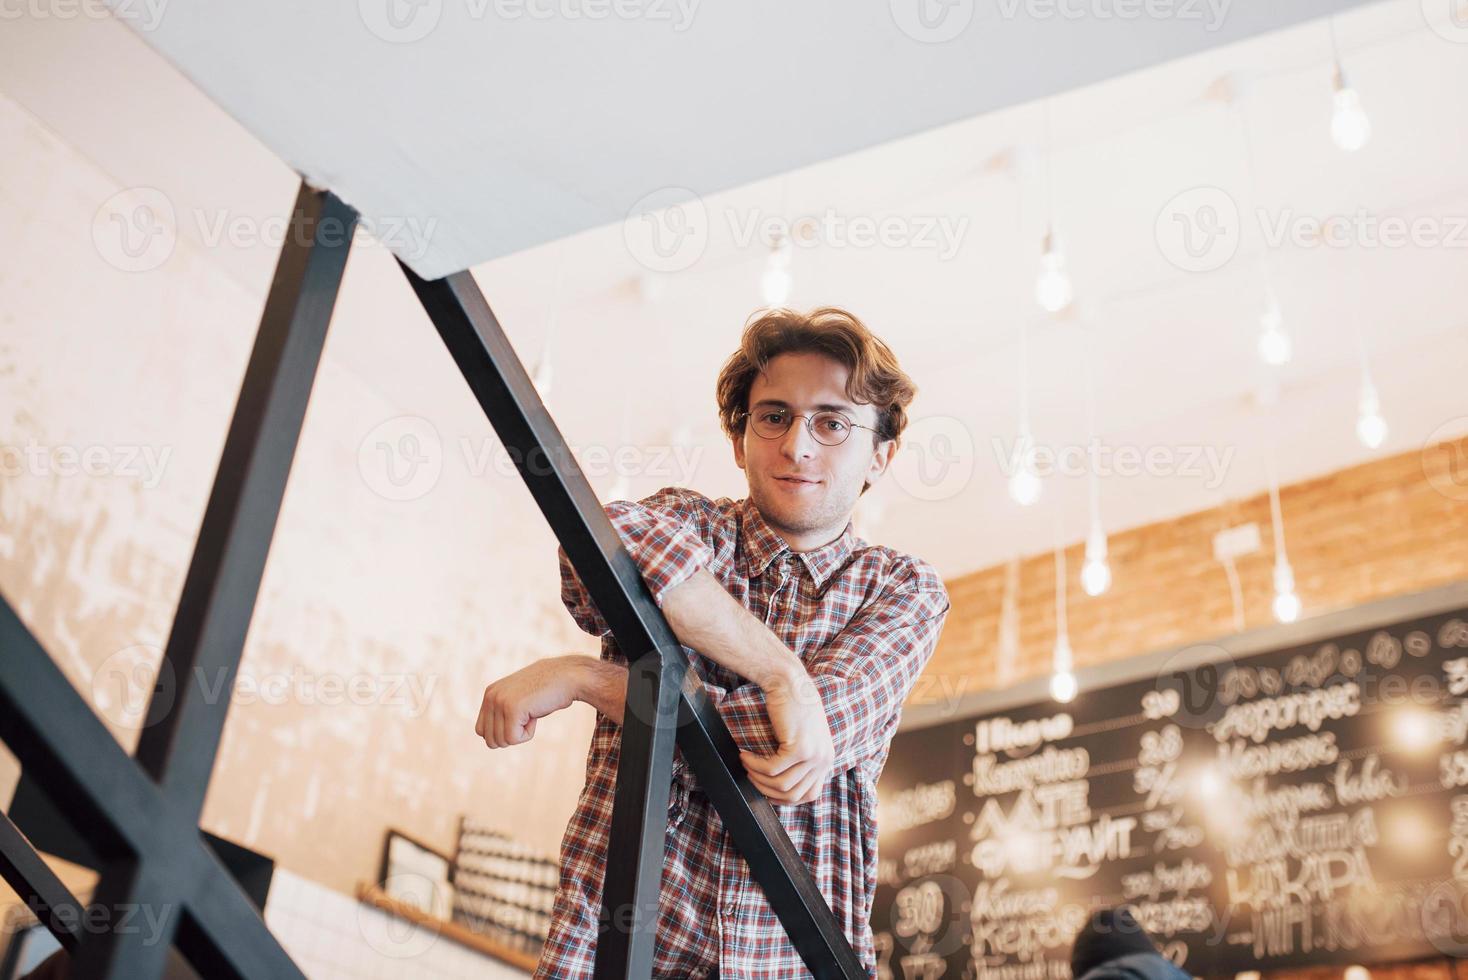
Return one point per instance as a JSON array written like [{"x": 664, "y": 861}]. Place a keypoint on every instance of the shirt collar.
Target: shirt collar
[{"x": 763, "y": 544}]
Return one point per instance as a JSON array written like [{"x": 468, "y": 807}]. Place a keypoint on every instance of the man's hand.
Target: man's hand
[
  {"x": 511, "y": 705},
  {"x": 801, "y": 766},
  {"x": 707, "y": 618}
]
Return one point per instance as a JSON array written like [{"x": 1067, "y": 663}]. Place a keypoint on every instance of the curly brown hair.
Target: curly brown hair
[{"x": 875, "y": 377}]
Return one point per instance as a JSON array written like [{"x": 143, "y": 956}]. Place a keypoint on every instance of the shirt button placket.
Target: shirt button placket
[
  {"x": 772, "y": 606},
  {"x": 777, "y": 596},
  {"x": 722, "y": 950}
]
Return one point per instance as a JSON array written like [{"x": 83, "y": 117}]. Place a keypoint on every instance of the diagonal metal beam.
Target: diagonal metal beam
[
  {"x": 637, "y": 834},
  {"x": 62, "y": 743},
  {"x": 657, "y": 668},
  {"x": 146, "y": 829},
  {"x": 124, "y": 947},
  {"x": 52, "y": 832},
  {"x": 147, "y": 835},
  {"x": 498, "y": 379},
  {"x": 75, "y": 759},
  {"x": 38, "y": 887},
  {"x": 178, "y": 746},
  {"x": 757, "y": 831}
]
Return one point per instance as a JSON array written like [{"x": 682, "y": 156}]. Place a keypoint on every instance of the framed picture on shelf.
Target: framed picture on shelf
[{"x": 417, "y": 874}]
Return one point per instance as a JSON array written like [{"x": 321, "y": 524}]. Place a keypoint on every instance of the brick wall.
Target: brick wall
[{"x": 1393, "y": 526}]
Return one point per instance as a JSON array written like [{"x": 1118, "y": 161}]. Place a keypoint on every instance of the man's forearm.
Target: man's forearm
[
  {"x": 704, "y": 616},
  {"x": 602, "y": 684}
]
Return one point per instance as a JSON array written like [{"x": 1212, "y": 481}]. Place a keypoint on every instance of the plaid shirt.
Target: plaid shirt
[{"x": 865, "y": 620}]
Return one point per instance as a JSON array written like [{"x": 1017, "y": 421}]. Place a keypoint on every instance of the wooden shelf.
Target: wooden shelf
[{"x": 373, "y": 895}]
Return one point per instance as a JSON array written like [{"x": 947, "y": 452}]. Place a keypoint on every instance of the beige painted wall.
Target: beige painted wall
[{"x": 419, "y": 602}]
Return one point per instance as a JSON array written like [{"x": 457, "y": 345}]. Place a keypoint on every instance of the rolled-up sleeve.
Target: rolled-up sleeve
[
  {"x": 863, "y": 676},
  {"x": 662, "y": 533}
]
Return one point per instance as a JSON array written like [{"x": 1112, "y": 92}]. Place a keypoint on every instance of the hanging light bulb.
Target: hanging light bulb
[
  {"x": 1063, "y": 686},
  {"x": 1274, "y": 344},
  {"x": 1371, "y": 428},
  {"x": 1062, "y": 678},
  {"x": 1096, "y": 572},
  {"x": 1349, "y": 125},
  {"x": 776, "y": 282},
  {"x": 1024, "y": 486},
  {"x": 1052, "y": 286},
  {"x": 1024, "y": 483},
  {"x": 543, "y": 375},
  {"x": 1286, "y": 603}
]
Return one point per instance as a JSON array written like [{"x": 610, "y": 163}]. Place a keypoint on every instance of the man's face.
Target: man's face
[{"x": 831, "y": 477}]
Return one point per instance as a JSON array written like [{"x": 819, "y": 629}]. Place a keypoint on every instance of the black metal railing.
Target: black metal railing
[{"x": 141, "y": 814}]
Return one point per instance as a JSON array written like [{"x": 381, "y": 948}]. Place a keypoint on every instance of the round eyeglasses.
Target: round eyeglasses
[{"x": 827, "y": 428}]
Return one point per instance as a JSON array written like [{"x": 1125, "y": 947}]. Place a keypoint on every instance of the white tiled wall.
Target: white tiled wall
[{"x": 332, "y": 936}]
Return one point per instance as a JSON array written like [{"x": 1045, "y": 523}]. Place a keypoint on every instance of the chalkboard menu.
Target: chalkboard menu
[{"x": 1296, "y": 807}]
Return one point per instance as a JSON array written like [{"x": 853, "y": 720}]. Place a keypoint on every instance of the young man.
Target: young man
[{"x": 809, "y": 640}]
